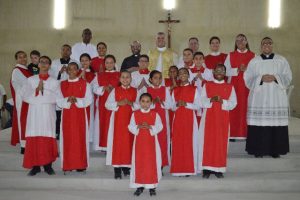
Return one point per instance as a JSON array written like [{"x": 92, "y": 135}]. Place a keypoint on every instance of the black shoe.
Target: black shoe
[
  {"x": 80, "y": 170},
  {"x": 206, "y": 174},
  {"x": 48, "y": 169},
  {"x": 219, "y": 175},
  {"x": 22, "y": 150},
  {"x": 152, "y": 192},
  {"x": 232, "y": 140},
  {"x": 138, "y": 191},
  {"x": 118, "y": 173},
  {"x": 34, "y": 171},
  {"x": 126, "y": 171},
  {"x": 275, "y": 156}
]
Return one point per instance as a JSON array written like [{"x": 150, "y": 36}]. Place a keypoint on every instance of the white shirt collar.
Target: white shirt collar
[
  {"x": 74, "y": 80},
  {"x": 125, "y": 87},
  {"x": 161, "y": 49},
  {"x": 145, "y": 111},
  {"x": 155, "y": 87},
  {"x": 215, "y": 53},
  {"x": 110, "y": 71},
  {"x": 87, "y": 70},
  {"x": 85, "y": 44},
  {"x": 240, "y": 51},
  {"x": 22, "y": 66},
  {"x": 218, "y": 82}
]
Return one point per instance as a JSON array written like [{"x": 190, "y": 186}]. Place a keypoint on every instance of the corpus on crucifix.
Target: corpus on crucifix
[{"x": 169, "y": 21}]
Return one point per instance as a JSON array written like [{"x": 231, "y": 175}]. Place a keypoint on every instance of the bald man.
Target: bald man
[
  {"x": 130, "y": 63},
  {"x": 85, "y": 46}
]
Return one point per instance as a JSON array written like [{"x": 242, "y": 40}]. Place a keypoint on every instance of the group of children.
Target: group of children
[{"x": 142, "y": 121}]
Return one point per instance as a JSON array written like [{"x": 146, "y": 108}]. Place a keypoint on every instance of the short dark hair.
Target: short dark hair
[
  {"x": 35, "y": 52},
  {"x": 193, "y": 38},
  {"x": 220, "y": 65},
  {"x": 214, "y": 38},
  {"x": 198, "y": 53},
  {"x": 19, "y": 52},
  {"x": 46, "y": 57},
  {"x": 99, "y": 43},
  {"x": 144, "y": 56},
  {"x": 110, "y": 56},
  {"x": 266, "y": 38},
  {"x": 145, "y": 95},
  {"x": 173, "y": 66},
  {"x": 185, "y": 69},
  {"x": 85, "y": 55},
  {"x": 67, "y": 45},
  {"x": 188, "y": 49},
  {"x": 73, "y": 63}
]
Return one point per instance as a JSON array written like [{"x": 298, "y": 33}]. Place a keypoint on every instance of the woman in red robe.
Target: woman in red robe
[
  {"x": 185, "y": 128},
  {"x": 236, "y": 64},
  {"x": 121, "y": 101},
  {"x": 98, "y": 63},
  {"x": 103, "y": 85},
  {"x": 215, "y": 57},
  {"x": 74, "y": 98}
]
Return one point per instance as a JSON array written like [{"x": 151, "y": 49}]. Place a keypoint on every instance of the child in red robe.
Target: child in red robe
[
  {"x": 104, "y": 83},
  {"x": 98, "y": 63},
  {"x": 217, "y": 98},
  {"x": 121, "y": 101},
  {"x": 145, "y": 124},
  {"x": 162, "y": 102},
  {"x": 185, "y": 128},
  {"x": 75, "y": 96}
]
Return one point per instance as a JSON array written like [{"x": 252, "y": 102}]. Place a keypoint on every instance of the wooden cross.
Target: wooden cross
[{"x": 169, "y": 21}]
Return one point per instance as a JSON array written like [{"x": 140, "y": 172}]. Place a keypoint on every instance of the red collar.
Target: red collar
[
  {"x": 43, "y": 76},
  {"x": 144, "y": 71}
]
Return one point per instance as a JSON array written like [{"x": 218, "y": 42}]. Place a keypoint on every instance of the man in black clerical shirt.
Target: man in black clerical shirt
[
  {"x": 131, "y": 63},
  {"x": 33, "y": 66}
]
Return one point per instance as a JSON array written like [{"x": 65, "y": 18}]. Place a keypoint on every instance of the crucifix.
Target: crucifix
[{"x": 169, "y": 21}]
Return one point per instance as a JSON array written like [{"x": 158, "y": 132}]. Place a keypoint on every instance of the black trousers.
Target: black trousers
[
  {"x": 267, "y": 140},
  {"x": 57, "y": 126}
]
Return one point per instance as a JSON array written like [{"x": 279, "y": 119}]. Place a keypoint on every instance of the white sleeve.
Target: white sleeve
[
  {"x": 207, "y": 75},
  {"x": 98, "y": 90},
  {"x": 174, "y": 107},
  {"x": 111, "y": 103},
  {"x": 133, "y": 128},
  {"x": 231, "y": 102},
  {"x": 168, "y": 103},
  {"x": 204, "y": 100},
  {"x": 196, "y": 104},
  {"x": 175, "y": 58},
  {"x": 28, "y": 94},
  {"x": 87, "y": 100},
  {"x": 2, "y": 90},
  {"x": 285, "y": 77},
  {"x": 136, "y": 105},
  {"x": 252, "y": 79},
  {"x": 158, "y": 126},
  {"x": 62, "y": 102},
  {"x": 229, "y": 70},
  {"x": 18, "y": 80}
]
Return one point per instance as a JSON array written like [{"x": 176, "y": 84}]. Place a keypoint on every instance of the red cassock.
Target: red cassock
[
  {"x": 182, "y": 161},
  {"x": 74, "y": 128},
  {"x": 98, "y": 64},
  {"x": 216, "y": 128},
  {"x": 238, "y": 116},
  {"x": 163, "y": 135},
  {"x": 15, "y": 134},
  {"x": 105, "y": 79},
  {"x": 120, "y": 140},
  {"x": 145, "y": 151},
  {"x": 211, "y": 61}
]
